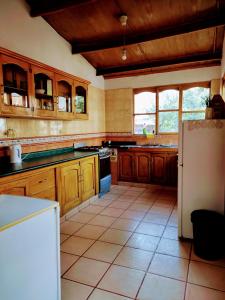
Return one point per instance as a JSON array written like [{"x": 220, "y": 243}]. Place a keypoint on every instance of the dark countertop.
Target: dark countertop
[{"x": 41, "y": 161}]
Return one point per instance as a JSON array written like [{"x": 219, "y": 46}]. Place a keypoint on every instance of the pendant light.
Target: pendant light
[{"x": 123, "y": 21}]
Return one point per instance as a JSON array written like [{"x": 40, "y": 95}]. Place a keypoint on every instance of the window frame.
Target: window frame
[{"x": 157, "y": 90}]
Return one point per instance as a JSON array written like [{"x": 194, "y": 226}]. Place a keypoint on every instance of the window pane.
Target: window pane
[
  {"x": 193, "y": 116},
  {"x": 168, "y": 121},
  {"x": 144, "y": 121},
  {"x": 193, "y": 98},
  {"x": 144, "y": 103},
  {"x": 169, "y": 99}
]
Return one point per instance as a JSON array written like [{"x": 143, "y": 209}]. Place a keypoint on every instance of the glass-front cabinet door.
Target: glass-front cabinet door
[
  {"x": 65, "y": 97},
  {"x": 15, "y": 87},
  {"x": 43, "y": 93},
  {"x": 81, "y": 104}
]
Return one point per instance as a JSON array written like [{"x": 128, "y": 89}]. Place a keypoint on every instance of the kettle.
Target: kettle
[{"x": 15, "y": 153}]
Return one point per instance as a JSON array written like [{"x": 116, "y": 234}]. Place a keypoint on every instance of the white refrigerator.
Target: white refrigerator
[
  {"x": 201, "y": 170},
  {"x": 29, "y": 249}
]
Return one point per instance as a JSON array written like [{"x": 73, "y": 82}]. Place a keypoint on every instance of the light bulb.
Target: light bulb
[{"x": 124, "y": 54}]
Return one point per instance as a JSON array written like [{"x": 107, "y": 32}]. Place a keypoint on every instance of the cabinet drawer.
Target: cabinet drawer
[
  {"x": 47, "y": 194},
  {"x": 41, "y": 182}
]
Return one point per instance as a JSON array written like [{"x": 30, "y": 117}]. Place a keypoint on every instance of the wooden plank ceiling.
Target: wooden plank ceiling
[{"x": 161, "y": 35}]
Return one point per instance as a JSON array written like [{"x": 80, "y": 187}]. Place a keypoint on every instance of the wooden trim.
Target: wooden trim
[
  {"x": 161, "y": 63},
  {"x": 199, "y": 24},
  {"x": 41, "y": 65},
  {"x": 43, "y": 9},
  {"x": 166, "y": 69}
]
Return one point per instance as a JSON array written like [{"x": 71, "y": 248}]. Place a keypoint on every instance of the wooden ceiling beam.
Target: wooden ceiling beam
[
  {"x": 205, "y": 57},
  {"x": 213, "y": 21},
  {"x": 43, "y": 8}
]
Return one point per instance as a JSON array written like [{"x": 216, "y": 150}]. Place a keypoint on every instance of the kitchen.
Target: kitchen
[{"x": 120, "y": 235}]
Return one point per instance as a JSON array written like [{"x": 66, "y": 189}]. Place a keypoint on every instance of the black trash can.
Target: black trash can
[{"x": 209, "y": 234}]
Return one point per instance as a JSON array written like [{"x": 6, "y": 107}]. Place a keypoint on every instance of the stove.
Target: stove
[{"x": 104, "y": 167}]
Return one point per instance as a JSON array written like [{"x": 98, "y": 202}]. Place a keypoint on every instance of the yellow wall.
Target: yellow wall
[
  {"x": 119, "y": 110},
  {"x": 35, "y": 128}
]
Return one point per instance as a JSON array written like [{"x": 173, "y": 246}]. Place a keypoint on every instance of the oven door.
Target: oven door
[{"x": 104, "y": 166}]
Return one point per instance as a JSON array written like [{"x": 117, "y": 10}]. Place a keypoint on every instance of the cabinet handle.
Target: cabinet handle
[
  {"x": 2, "y": 90},
  {"x": 41, "y": 181}
]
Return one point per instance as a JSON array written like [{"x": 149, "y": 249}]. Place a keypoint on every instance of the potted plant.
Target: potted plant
[{"x": 208, "y": 111}]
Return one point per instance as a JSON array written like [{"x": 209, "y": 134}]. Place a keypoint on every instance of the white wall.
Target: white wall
[
  {"x": 33, "y": 37},
  {"x": 184, "y": 76}
]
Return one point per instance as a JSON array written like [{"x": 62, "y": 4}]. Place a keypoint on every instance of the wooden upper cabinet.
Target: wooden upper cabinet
[
  {"x": 15, "y": 87},
  {"x": 65, "y": 96},
  {"x": 81, "y": 100},
  {"x": 143, "y": 167},
  {"x": 43, "y": 92}
]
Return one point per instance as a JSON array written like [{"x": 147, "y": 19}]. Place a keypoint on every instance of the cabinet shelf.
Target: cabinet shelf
[{"x": 10, "y": 89}]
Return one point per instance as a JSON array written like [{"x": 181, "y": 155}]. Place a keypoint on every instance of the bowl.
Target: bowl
[{"x": 40, "y": 91}]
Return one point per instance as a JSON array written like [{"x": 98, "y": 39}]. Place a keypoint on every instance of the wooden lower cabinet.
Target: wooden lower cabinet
[
  {"x": 18, "y": 188},
  {"x": 68, "y": 183},
  {"x": 76, "y": 182},
  {"x": 147, "y": 167},
  {"x": 158, "y": 168},
  {"x": 143, "y": 167},
  {"x": 126, "y": 166},
  {"x": 69, "y": 188}
]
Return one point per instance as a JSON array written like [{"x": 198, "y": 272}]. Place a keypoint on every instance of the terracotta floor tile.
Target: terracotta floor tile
[
  {"x": 156, "y": 218},
  {"x": 69, "y": 227},
  {"x": 66, "y": 261},
  {"x": 90, "y": 231},
  {"x": 132, "y": 214},
  {"x": 63, "y": 237},
  {"x": 102, "y": 220},
  {"x": 171, "y": 233},
  {"x": 116, "y": 236},
  {"x": 87, "y": 271},
  {"x": 174, "y": 248},
  {"x": 140, "y": 207},
  {"x": 125, "y": 224},
  {"x": 120, "y": 204},
  {"x": 103, "y": 251},
  {"x": 173, "y": 221},
  {"x": 82, "y": 217},
  {"x": 76, "y": 245},
  {"x": 112, "y": 212},
  {"x": 121, "y": 280},
  {"x": 169, "y": 266},
  {"x": 103, "y": 295},
  {"x": 202, "y": 293},
  {"x": 150, "y": 229},
  {"x": 207, "y": 275},
  {"x": 144, "y": 242},
  {"x": 92, "y": 209},
  {"x": 219, "y": 262},
  {"x": 111, "y": 196},
  {"x": 126, "y": 198},
  {"x": 161, "y": 210},
  {"x": 72, "y": 290},
  {"x": 157, "y": 287},
  {"x": 132, "y": 193},
  {"x": 165, "y": 203},
  {"x": 134, "y": 258},
  {"x": 101, "y": 202}
]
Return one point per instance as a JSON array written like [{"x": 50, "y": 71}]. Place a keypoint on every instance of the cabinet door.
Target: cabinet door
[
  {"x": 171, "y": 169},
  {"x": 69, "y": 187},
  {"x": 88, "y": 177},
  {"x": 18, "y": 188},
  {"x": 143, "y": 167},
  {"x": 158, "y": 174},
  {"x": 126, "y": 166},
  {"x": 43, "y": 93},
  {"x": 65, "y": 97},
  {"x": 81, "y": 100},
  {"x": 15, "y": 87}
]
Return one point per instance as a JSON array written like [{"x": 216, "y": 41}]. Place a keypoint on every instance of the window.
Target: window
[
  {"x": 144, "y": 112},
  {"x": 160, "y": 109},
  {"x": 168, "y": 111},
  {"x": 193, "y": 104}
]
